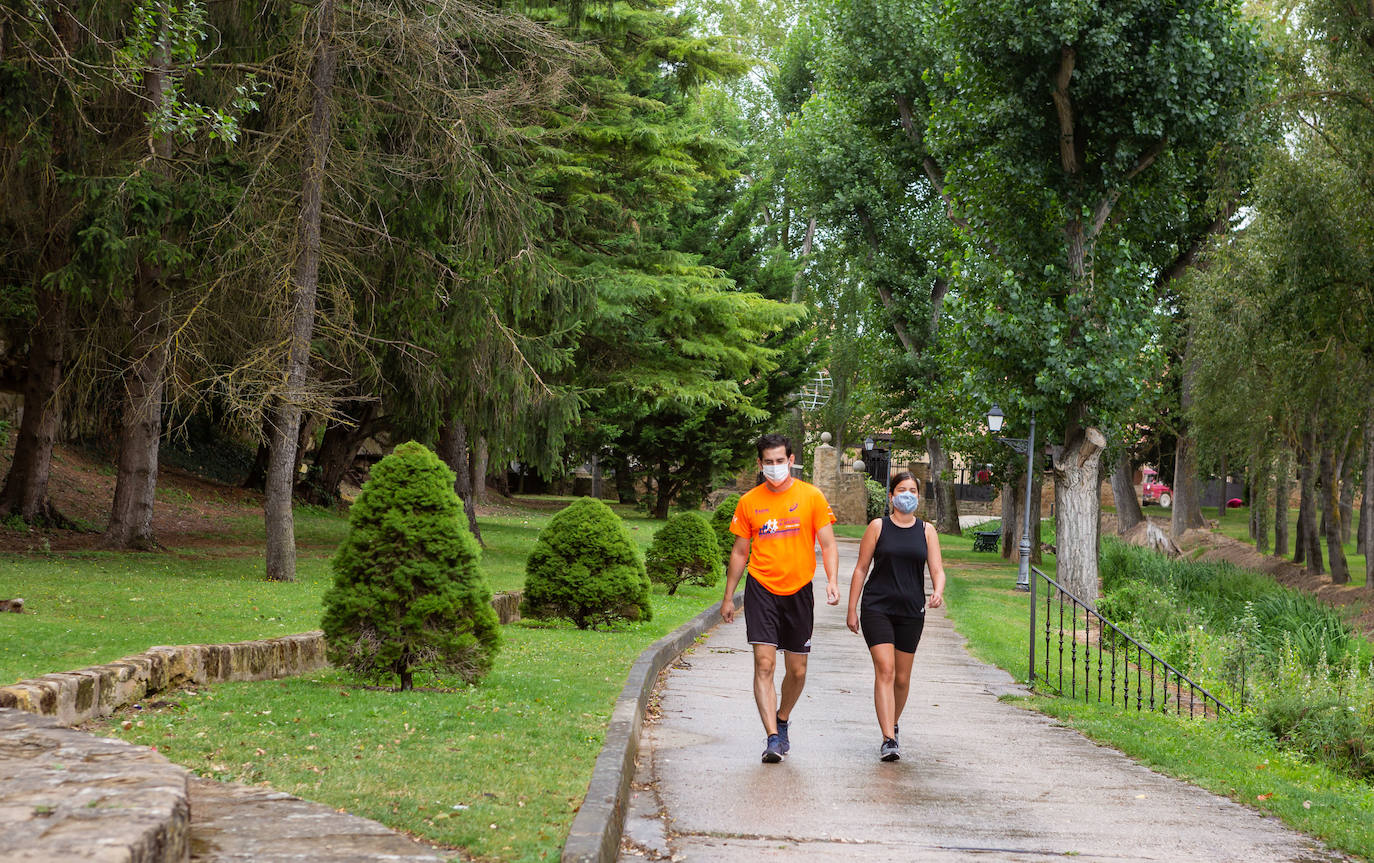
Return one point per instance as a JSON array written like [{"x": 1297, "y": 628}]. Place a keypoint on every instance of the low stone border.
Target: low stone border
[
  {"x": 74, "y": 697},
  {"x": 595, "y": 833}
]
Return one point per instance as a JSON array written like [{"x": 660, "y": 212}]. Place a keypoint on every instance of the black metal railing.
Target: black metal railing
[{"x": 1125, "y": 671}]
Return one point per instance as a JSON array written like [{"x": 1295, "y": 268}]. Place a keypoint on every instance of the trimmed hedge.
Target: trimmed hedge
[
  {"x": 720, "y": 523},
  {"x": 684, "y": 550}
]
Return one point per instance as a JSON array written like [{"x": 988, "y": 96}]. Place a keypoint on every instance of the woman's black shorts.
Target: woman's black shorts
[
  {"x": 782, "y": 621},
  {"x": 902, "y": 632}
]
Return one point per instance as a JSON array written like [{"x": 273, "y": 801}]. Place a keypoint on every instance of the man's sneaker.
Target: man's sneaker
[
  {"x": 782, "y": 736},
  {"x": 889, "y": 751},
  {"x": 773, "y": 754}
]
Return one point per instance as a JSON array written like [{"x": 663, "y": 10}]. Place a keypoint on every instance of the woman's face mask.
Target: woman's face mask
[
  {"x": 906, "y": 501},
  {"x": 776, "y": 473}
]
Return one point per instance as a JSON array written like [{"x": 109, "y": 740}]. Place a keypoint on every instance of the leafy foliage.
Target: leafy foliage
[
  {"x": 407, "y": 592},
  {"x": 877, "y": 498},
  {"x": 720, "y": 523},
  {"x": 684, "y": 551},
  {"x": 584, "y": 567}
]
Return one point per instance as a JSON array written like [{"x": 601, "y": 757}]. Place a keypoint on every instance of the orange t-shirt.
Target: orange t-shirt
[{"x": 782, "y": 530}]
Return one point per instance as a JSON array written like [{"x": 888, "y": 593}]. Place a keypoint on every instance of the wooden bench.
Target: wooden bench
[{"x": 986, "y": 540}]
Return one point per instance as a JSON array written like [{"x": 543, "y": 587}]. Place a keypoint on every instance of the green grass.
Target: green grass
[
  {"x": 1236, "y": 524},
  {"x": 496, "y": 770},
  {"x": 1224, "y": 757}
]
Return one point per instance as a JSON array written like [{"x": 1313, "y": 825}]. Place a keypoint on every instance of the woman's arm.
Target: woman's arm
[
  {"x": 937, "y": 567},
  {"x": 856, "y": 581}
]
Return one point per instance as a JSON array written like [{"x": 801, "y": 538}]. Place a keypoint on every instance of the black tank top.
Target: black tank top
[{"x": 897, "y": 584}]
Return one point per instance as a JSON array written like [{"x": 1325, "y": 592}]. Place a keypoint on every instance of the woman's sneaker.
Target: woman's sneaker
[
  {"x": 782, "y": 735},
  {"x": 774, "y": 751},
  {"x": 889, "y": 751}
]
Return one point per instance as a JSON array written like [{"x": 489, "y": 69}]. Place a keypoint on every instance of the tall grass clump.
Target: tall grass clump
[{"x": 1290, "y": 663}]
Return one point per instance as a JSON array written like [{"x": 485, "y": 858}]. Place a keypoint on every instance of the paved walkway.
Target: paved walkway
[{"x": 978, "y": 779}]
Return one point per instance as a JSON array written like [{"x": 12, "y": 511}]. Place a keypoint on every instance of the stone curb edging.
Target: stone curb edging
[
  {"x": 74, "y": 697},
  {"x": 596, "y": 830}
]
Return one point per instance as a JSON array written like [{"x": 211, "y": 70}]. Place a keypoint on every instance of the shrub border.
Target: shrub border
[{"x": 596, "y": 830}]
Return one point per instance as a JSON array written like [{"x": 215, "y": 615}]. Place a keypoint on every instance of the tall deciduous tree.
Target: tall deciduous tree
[{"x": 1061, "y": 138}]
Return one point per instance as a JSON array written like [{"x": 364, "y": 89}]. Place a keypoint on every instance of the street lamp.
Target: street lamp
[{"x": 1027, "y": 446}]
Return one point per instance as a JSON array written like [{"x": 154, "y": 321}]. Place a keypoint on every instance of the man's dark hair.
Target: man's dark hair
[{"x": 773, "y": 441}]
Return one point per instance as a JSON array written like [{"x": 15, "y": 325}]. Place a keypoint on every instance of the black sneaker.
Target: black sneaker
[
  {"x": 782, "y": 736},
  {"x": 895, "y": 729},
  {"x": 773, "y": 754},
  {"x": 889, "y": 751}
]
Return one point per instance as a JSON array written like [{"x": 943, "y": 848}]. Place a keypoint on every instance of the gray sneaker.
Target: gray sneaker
[
  {"x": 782, "y": 736},
  {"x": 773, "y": 754},
  {"x": 889, "y": 751}
]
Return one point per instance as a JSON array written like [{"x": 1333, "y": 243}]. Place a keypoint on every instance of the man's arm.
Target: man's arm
[
  {"x": 739, "y": 559},
  {"x": 830, "y": 559}
]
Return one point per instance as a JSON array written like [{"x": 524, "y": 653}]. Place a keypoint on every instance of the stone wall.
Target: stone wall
[
  {"x": 73, "y": 697},
  {"x": 844, "y": 488}
]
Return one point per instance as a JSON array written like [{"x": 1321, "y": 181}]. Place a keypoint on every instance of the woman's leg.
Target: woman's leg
[
  {"x": 883, "y": 695},
  {"x": 901, "y": 682}
]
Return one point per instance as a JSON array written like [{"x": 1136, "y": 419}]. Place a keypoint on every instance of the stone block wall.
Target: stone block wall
[
  {"x": 844, "y": 488},
  {"x": 73, "y": 697}
]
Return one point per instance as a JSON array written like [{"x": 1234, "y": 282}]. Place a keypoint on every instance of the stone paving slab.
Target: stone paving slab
[
  {"x": 71, "y": 796},
  {"x": 233, "y": 822},
  {"x": 979, "y": 778}
]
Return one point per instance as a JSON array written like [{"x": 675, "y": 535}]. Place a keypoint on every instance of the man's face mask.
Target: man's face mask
[{"x": 776, "y": 473}]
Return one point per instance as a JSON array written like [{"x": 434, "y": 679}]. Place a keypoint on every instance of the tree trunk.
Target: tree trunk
[
  {"x": 1037, "y": 514},
  {"x": 942, "y": 492},
  {"x": 338, "y": 448},
  {"x": 1077, "y": 506},
  {"x": 453, "y": 449},
  {"x": 1308, "y": 544},
  {"x": 1283, "y": 476},
  {"x": 277, "y": 515},
  {"x": 26, "y": 487},
  {"x": 479, "y": 456},
  {"x": 1330, "y": 471},
  {"x": 1128, "y": 513},
  {"x": 625, "y": 483},
  {"x": 257, "y": 472},
  {"x": 1346, "y": 505},
  {"x": 1010, "y": 525},
  {"x": 1367, "y": 502},
  {"x": 1187, "y": 504},
  {"x": 1259, "y": 508},
  {"x": 131, "y": 514}
]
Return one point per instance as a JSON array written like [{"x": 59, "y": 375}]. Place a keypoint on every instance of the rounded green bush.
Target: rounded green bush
[
  {"x": 584, "y": 567},
  {"x": 877, "y": 498},
  {"x": 407, "y": 592},
  {"x": 720, "y": 523},
  {"x": 684, "y": 550}
]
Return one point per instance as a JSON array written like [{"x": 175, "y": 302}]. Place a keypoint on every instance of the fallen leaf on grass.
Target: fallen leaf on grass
[{"x": 1264, "y": 796}]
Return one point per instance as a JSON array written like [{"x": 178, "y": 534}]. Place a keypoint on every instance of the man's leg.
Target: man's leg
[
  {"x": 765, "y": 694},
  {"x": 793, "y": 680}
]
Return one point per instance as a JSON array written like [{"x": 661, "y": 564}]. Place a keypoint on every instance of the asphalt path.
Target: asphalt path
[{"x": 979, "y": 778}]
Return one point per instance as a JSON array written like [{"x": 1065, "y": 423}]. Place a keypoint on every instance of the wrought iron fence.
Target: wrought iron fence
[{"x": 1125, "y": 671}]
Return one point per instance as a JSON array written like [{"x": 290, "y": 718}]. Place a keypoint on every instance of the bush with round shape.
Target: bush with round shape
[
  {"x": 684, "y": 551},
  {"x": 584, "y": 567},
  {"x": 407, "y": 592},
  {"x": 720, "y": 523},
  {"x": 877, "y": 498}
]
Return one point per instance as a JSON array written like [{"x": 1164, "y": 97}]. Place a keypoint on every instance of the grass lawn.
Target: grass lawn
[
  {"x": 1221, "y": 756},
  {"x": 496, "y": 770}
]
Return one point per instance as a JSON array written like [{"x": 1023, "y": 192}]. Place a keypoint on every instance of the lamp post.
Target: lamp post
[{"x": 1027, "y": 446}]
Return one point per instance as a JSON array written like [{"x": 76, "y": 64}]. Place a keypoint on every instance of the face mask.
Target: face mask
[
  {"x": 776, "y": 473},
  {"x": 906, "y": 501}
]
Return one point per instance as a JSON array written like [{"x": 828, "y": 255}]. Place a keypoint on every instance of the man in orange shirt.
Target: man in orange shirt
[{"x": 776, "y": 527}]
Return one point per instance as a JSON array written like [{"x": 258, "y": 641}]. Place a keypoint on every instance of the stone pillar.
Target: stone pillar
[{"x": 843, "y": 488}]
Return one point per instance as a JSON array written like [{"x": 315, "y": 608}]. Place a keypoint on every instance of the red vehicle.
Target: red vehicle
[{"x": 1153, "y": 491}]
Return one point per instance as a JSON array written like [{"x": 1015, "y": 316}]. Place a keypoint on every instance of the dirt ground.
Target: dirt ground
[{"x": 191, "y": 512}]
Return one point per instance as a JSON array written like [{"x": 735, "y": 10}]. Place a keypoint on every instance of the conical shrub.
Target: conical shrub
[
  {"x": 407, "y": 592},
  {"x": 584, "y": 567},
  {"x": 684, "y": 551},
  {"x": 720, "y": 523}
]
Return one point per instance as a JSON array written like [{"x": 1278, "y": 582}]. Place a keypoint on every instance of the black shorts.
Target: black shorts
[
  {"x": 782, "y": 621},
  {"x": 900, "y": 631}
]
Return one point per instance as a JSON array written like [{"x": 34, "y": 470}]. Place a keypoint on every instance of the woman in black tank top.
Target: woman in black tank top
[{"x": 892, "y": 612}]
